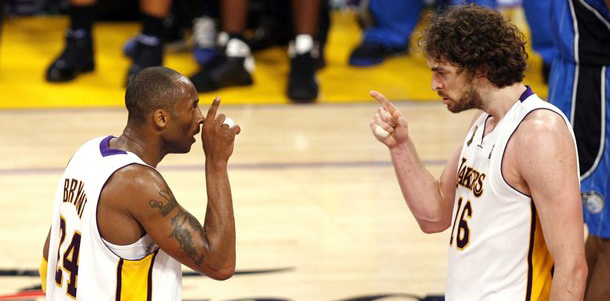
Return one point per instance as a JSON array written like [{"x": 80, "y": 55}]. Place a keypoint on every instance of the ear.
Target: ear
[
  {"x": 482, "y": 72},
  {"x": 479, "y": 78},
  {"x": 160, "y": 118}
]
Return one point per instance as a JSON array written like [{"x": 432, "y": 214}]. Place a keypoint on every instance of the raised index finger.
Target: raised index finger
[
  {"x": 387, "y": 105},
  {"x": 213, "y": 108}
]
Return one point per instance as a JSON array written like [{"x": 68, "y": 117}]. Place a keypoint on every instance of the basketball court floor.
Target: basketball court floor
[{"x": 318, "y": 210}]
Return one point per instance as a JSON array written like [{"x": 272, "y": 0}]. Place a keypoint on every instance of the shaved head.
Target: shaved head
[{"x": 151, "y": 89}]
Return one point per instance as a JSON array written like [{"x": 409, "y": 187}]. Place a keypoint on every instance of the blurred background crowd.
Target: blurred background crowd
[{"x": 223, "y": 36}]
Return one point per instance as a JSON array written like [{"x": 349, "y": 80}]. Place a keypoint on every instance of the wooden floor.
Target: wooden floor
[
  {"x": 313, "y": 192},
  {"x": 315, "y": 195}
]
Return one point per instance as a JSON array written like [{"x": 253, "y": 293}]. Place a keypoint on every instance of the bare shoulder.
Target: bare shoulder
[
  {"x": 134, "y": 185},
  {"x": 541, "y": 148},
  {"x": 542, "y": 126},
  {"x": 545, "y": 117},
  {"x": 544, "y": 136},
  {"x": 137, "y": 174}
]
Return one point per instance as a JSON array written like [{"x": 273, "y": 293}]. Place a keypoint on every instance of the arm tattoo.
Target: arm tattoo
[
  {"x": 183, "y": 235},
  {"x": 164, "y": 209}
]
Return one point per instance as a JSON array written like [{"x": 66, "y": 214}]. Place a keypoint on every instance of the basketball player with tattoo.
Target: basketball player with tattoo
[
  {"x": 118, "y": 232},
  {"x": 509, "y": 195}
]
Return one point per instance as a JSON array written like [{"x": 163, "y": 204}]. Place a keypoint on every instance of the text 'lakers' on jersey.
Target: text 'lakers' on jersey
[
  {"x": 496, "y": 248},
  {"x": 81, "y": 266}
]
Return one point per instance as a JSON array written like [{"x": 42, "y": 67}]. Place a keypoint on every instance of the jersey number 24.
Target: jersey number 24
[{"x": 69, "y": 261}]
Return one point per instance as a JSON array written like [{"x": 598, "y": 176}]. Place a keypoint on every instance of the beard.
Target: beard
[{"x": 471, "y": 99}]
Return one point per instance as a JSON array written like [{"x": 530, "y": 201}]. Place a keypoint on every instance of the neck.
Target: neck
[
  {"x": 497, "y": 102},
  {"x": 134, "y": 140}
]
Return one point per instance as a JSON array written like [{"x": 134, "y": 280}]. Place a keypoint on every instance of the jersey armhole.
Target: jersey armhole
[
  {"x": 505, "y": 185},
  {"x": 97, "y": 228}
]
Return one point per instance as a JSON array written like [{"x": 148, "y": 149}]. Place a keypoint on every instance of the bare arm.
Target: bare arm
[
  {"x": 430, "y": 200},
  {"x": 218, "y": 142},
  {"x": 550, "y": 174},
  {"x": 208, "y": 249},
  {"x": 608, "y": 4}
]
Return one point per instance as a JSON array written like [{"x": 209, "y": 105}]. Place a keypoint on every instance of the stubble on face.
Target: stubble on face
[{"x": 471, "y": 99}]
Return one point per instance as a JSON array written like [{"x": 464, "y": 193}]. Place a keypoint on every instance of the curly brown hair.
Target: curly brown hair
[{"x": 479, "y": 41}]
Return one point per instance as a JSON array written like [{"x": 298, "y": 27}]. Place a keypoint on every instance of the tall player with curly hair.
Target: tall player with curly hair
[{"x": 509, "y": 194}]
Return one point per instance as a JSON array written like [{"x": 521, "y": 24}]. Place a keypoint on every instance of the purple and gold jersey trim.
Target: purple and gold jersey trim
[
  {"x": 107, "y": 151},
  {"x": 134, "y": 278},
  {"x": 527, "y": 93},
  {"x": 540, "y": 263}
]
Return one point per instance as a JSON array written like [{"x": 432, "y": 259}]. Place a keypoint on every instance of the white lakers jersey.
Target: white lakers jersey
[
  {"x": 496, "y": 249},
  {"x": 80, "y": 265}
]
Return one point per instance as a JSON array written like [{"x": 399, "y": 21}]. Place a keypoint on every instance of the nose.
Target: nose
[
  {"x": 199, "y": 116},
  {"x": 435, "y": 84}
]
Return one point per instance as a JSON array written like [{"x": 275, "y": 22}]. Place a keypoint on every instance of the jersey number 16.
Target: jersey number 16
[{"x": 463, "y": 231}]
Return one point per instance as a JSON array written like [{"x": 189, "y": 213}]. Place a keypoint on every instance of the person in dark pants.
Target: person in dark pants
[
  {"x": 235, "y": 64},
  {"x": 77, "y": 56},
  {"x": 392, "y": 23},
  {"x": 580, "y": 86}
]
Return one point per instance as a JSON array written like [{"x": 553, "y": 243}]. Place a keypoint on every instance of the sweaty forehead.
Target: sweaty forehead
[{"x": 184, "y": 94}]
